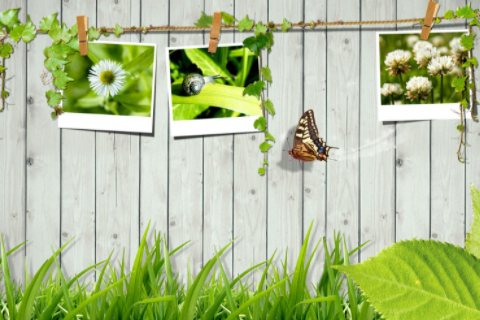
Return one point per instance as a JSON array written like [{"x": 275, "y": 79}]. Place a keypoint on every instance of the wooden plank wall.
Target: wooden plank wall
[{"x": 392, "y": 181}]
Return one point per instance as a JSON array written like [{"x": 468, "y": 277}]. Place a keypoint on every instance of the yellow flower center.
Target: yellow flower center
[{"x": 107, "y": 77}]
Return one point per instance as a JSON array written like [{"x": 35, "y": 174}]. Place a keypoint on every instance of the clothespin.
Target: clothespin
[
  {"x": 432, "y": 9},
  {"x": 82, "y": 23},
  {"x": 215, "y": 32}
]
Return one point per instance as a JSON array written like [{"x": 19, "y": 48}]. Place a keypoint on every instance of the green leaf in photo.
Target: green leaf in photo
[
  {"x": 54, "y": 60},
  {"x": 459, "y": 83},
  {"x": 472, "y": 244},
  {"x": 228, "y": 19},
  {"x": 473, "y": 61},
  {"x": 245, "y": 24},
  {"x": 141, "y": 62},
  {"x": 475, "y": 22},
  {"x": 254, "y": 89},
  {"x": 204, "y": 21},
  {"x": 209, "y": 67},
  {"x": 270, "y": 137},
  {"x": 261, "y": 171},
  {"x": 467, "y": 41},
  {"x": 269, "y": 106},
  {"x": 465, "y": 12},
  {"x": 286, "y": 25},
  {"x": 60, "y": 34},
  {"x": 60, "y": 79},
  {"x": 449, "y": 15},
  {"x": 53, "y": 98},
  {"x": 47, "y": 22},
  {"x": 260, "y": 29},
  {"x": 93, "y": 34},
  {"x": 187, "y": 111},
  {"x": 74, "y": 30},
  {"x": 260, "y": 124},
  {"x": 5, "y": 50},
  {"x": 118, "y": 30},
  {"x": 25, "y": 31},
  {"x": 266, "y": 74},
  {"x": 256, "y": 43},
  {"x": 9, "y": 19},
  {"x": 264, "y": 146}
]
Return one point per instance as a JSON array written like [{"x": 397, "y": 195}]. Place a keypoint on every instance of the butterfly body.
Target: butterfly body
[{"x": 307, "y": 145}]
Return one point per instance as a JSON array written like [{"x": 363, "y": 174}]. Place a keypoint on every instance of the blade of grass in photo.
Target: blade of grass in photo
[
  {"x": 219, "y": 95},
  {"x": 141, "y": 62},
  {"x": 208, "y": 66},
  {"x": 188, "y": 111},
  {"x": 245, "y": 65}
]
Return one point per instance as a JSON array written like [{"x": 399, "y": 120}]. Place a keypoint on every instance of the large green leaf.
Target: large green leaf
[
  {"x": 220, "y": 95},
  {"x": 472, "y": 244},
  {"x": 9, "y": 19},
  {"x": 421, "y": 280},
  {"x": 208, "y": 66}
]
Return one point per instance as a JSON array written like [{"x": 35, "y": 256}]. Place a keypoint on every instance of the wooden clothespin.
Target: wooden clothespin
[
  {"x": 432, "y": 9},
  {"x": 82, "y": 23},
  {"x": 215, "y": 32}
]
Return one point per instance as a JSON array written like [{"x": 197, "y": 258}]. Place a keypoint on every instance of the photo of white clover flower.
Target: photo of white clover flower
[{"x": 415, "y": 71}]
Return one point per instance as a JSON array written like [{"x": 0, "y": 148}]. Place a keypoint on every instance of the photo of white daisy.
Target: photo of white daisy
[{"x": 107, "y": 78}]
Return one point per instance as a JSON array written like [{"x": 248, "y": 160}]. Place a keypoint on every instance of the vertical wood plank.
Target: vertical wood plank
[
  {"x": 250, "y": 198},
  {"x": 377, "y": 142},
  {"x": 343, "y": 50},
  {"x": 413, "y": 162},
  {"x": 43, "y": 150},
  {"x": 78, "y": 176},
  {"x": 154, "y": 147},
  {"x": 284, "y": 176},
  {"x": 218, "y": 172},
  {"x": 117, "y": 163},
  {"x": 186, "y": 164},
  {"x": 315, "y": 98},
  {"x": 12, "y": 151}
]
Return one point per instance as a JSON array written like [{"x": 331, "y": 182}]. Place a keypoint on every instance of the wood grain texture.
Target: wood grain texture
[
  {"x": 117, "y": 164},
  {"x": 377, "y": 142},
  {"x": 12, "y": 151}
]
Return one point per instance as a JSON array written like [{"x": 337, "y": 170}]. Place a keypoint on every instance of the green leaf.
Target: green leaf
[
  {"x": 254, "y": 89},
  {"x": 25, "y": 31},
  {"x": 449, "y": 15},
  {"x": 264, "y": 146},
  {"x": 261, "y": 171},
  {"x": 60, "y": 34},
  {"x": 260, "y": 29},
  {"x": 5, "y": 94},
  {"x": 420, "y": 279},
  {"x": 47, "y": 22},
  {"x": 460, "y": 128},
  {"x": 473, "y": 61},
  {"x": 467, "y": 41},
  {"x": 265, "y": 162},
  {"x": 93, "y": 34},
  {"x": 256, "y": 43},
  {"x": 286, "y": 25},
  {"x": 459, "y": 83},
  {"x": 228, "y": 19},
  {"x": 2, "y": 68},
  {"x": 118, "y": 30},
  {"x": 61, "y": 79},
  {"x": 472, "y": 244},
  {"x": 9, "y": 19},
  {"x": 62, "y": 49},
  {"x": 464, "y": 103},
  {"x": 141, "y": 62},
  {"x": 266, "y": 74},
  {"x": 54, "y": 60},
  {"x": 209, "y": 67},
  {"x": 204, "y": 21},
  {"x": 465, "y": 12},
  {"x": 5, "y": 50},
  {"x": 245, "y": 24},
  {"x": 270, "y": 41},
  {"x": 475, "y": 22},
  {"x": 53, "y": 114},
  {"x": 437, "y": 20},
  {"x": 53, "y": 97},
  {"x": 260, "y": 124},
  {"x": 269, "y": 106},
  {"x": 74, "y": 30},
  {"x": 270, "y": 137}
]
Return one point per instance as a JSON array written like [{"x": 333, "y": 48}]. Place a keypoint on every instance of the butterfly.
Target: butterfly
[{"x": 307, "y": 145}]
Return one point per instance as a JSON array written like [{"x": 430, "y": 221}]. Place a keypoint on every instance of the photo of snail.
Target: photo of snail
[
  {"x": 206, "y": 90},
  {"x": 415, "y": 76},
  {"x": 111, "y": 88}
]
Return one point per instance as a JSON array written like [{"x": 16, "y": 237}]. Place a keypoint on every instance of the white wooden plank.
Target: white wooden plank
[
  {"x": 78, "y": 177},
  {"x": 43, "y": 150},
  {"x": 250, "y": 200},
  {"x": 315, "y": 98},
  {"x": 12, "y": 151},
  {"x": 342, "y": 122},
  {"x": 185, "y": 164},
  {"x": 413, "y": 163},
  {"x": 447, "y": 173},
  {"x": 154, "y": 147},
  {"x": 117, "y": 164},
  {"x": 377, "y": 142},
  {"x": 285, "y": 176}
]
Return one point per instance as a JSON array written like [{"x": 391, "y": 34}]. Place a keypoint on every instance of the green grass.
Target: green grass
[{"x": 152, "y": 291}]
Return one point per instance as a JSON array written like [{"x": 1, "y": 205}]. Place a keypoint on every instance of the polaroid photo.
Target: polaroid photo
[
  {"x": 206, "y": 90},
  {"x": 415, "y": 76},
  {"x": 113, "y": 88}
]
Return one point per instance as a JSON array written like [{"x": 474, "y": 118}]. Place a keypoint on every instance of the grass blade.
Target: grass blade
[{"x": 8, "y": 283}]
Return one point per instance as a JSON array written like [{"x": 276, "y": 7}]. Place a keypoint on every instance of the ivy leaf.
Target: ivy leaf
[
  {"x": 437, "y": 20},
  {"x": 465, "y": 12},
  {"x": 270, "y": 41},
  {"x": 47, "y": 22},
  {"x": 5, "y": 94},
  {"x": 53, "y": 114},
  {"x": 460, "y": 128},
  {"x": 260, "y": 29},
  {"x": 245, "y": 24},
  {"x": 53, "y": 97},
  {"x": 475, "y": 22},
  {"x": 264, "y": 146},
  {"x": 228, "y": 19},
  {"x": 261, "y": 171},
  {"x": 60, "y": 34},
  {"x": 204, "y": 21},
  {"x": 472, "y": 244},
  {"x": 473, "y": 61},
  {"x": 270, "y": 137},
  {"x": 449, "y": 15},
  {"x": 260, "y": 124},
  {"x": 265, "y": 162},
  {"x": 286, "y": 25},
  {"x": 5, "y": 50},
  {"x": 74, "y": 30},
  {"x": 9, "y": 19},
  {"x": 459, "y": 84},
  {"x": 464, "y": 103},
  {"x": 2, "y": 68},
  {"x": 62, "y": 49},
  {"x": 255, "y": 44},
  {"x": 118, "y": 30},
  {"x": 61, "y": 79},
  {"x": 254, "y": 89},
  {"x": 269, "y": 106},
  {"x": 467, "y": 41},
  {"x": 266, "y": 74},
  {"x": 26, "y": 31},
  {"x": 471, "y": 85},
  {"x": 54, "y": 60},
  {"x": 93, "y": 34}
]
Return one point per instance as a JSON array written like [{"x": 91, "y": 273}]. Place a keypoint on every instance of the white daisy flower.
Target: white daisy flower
[
  {"x": 390, "y": 89},
  {"x": 411, "y": 40},
  {"x": 438, "y": 41},
  {"x": 418, "y": 88},
  {"x": 424, "y": 56},
  {"x": 440, "y": 65},
  {"x": 397, "y": 62},
  {"x": 421, "y": 45},
  {"x": 107, "y": 78}
]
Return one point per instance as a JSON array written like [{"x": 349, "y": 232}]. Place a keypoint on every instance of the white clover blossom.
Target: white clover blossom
[
  {"x": 421, "y": 45},
  {"x": 418, "y": 88},
  {"x": 440, "y": 65},
  {"x": 411, "y": 40},
  {"x": 457, "y": 71},
  {"x": 443, "y": 50},
  {"x": 454, "y": 42},
  {"x": 397, "y": 62},
  {"x": 424, "y": 56},
  {"x": 438, "y": 41},
  {"x": 459, "y": 54},
  {"x": 390, "y": 89},
  {"x": 107, "y": 78}
]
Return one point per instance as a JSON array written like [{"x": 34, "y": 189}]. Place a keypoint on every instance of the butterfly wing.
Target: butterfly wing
[{"x": 307, "y": 133}]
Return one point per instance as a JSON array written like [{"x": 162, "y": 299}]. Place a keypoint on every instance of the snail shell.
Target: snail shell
[{"x": 194, "y": 83}]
